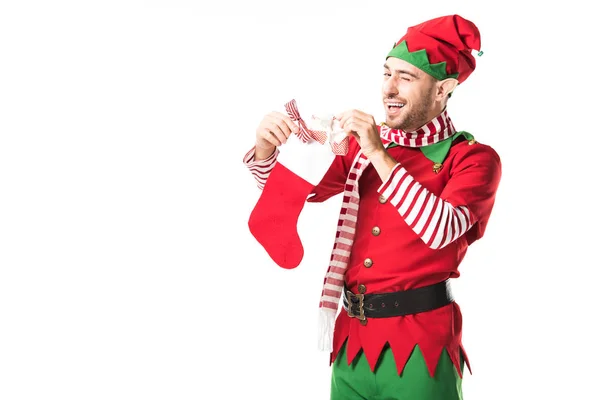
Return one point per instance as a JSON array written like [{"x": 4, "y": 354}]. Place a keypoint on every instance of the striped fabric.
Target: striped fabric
[
  {"x": 437, "y": 222},
  {"x": 436, "y": 130},
  {"x": 344, "y": 237},
  {"x": 262, "y": 168},
  {"x": 305, "y": 134}
]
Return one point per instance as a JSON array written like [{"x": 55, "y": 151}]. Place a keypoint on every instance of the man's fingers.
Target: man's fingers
[
  {"x": 353, "y": 128},
  {"x": 343, "y": 117},
  {"x": 353, "y": 124},
  {"x": 283, "y": 127},
  {"x": 273, "y": 140},
  {"x": 347, "y": 126},
  {"x": 346, "y": 114},
  {"x": 283, "y": 119},
  {"x": 361, "y": 116},
  {"x": 290, "y": 124},
  {"x": 352, "y": 114},
  {"x": 266, "y": 134},
  {"x": 280, "y": 132}
]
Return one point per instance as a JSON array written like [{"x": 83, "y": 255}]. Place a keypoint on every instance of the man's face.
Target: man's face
[{"x": 408, "y": 95}]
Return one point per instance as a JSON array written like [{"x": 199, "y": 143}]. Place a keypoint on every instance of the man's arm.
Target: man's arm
[
  {"x": 467, "y": 198},
  {"x": 438, "y": 220},
  {"x": 331, "y": 184},
  {"x": 273, "y": 131},
  {"x": 260, "y": 168}
]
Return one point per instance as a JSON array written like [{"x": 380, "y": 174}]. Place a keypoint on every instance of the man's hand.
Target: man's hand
[
  {"x": 273, "y": 131},
  {"x": 362, "y": 126},
  {"x": 364, "y": 129}
]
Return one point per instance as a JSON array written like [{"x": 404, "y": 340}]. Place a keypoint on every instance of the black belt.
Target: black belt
[{"x": 383, "y": 305}]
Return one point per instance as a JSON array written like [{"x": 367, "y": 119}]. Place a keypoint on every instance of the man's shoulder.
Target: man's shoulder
[
  {"x": 470, "y": 146},
  {"x": 469, "y": 151}
]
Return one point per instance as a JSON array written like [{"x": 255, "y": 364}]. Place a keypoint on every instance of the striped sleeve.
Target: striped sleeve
[
  {"x": 260, "y": 169},
  {"x": 437, "y": 222}
]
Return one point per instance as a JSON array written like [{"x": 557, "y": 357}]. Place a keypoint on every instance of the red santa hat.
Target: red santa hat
[{"x": 441, "y": 47}]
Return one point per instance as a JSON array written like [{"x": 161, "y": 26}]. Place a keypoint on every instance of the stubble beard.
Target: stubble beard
[{"x": 417, "y": 116}]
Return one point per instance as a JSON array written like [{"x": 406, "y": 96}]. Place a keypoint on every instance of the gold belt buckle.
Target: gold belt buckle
[{"x": 354, "y": 299}]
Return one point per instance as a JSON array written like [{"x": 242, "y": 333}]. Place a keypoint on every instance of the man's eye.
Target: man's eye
[{"x": 387, "y": 74}]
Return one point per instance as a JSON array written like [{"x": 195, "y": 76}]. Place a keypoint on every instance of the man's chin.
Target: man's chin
[{"x": 394, "y": 123}]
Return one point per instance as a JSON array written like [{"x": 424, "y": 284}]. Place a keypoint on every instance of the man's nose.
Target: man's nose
[{"x": 390, "y": 88}]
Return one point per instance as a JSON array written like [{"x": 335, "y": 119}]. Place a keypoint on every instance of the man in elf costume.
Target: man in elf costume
[{"x": 416, "y": 193}]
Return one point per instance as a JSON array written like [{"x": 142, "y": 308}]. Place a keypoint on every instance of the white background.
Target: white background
[{"x": 126, "y": 267}]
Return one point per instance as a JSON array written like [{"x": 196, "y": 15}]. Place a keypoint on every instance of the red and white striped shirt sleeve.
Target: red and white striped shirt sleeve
[
  {"x": 436, "y": 221},
  {"x": 260, "y": 169}
]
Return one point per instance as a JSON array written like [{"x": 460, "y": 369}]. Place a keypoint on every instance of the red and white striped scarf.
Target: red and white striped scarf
[{"x": 436, "y": 130}]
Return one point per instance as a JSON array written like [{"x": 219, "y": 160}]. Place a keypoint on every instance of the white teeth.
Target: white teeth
[{"x": 395, "y": 105}]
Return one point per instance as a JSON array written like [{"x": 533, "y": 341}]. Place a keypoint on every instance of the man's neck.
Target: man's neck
[{"x": 431, "y": 116}]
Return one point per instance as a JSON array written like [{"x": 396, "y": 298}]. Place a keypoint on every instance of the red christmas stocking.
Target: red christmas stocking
[{"x": 273, "y": 221}]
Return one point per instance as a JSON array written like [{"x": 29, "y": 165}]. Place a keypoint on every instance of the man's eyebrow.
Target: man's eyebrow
[{"x": 401, "y": 71}]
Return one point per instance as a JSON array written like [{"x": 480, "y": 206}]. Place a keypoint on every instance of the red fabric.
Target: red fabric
[
  {"x": 479, "y": 169},
  {"x": 401, "y": 260},
  {"x": 449, "y": 38},
  {"x": 273, "y": 221}
]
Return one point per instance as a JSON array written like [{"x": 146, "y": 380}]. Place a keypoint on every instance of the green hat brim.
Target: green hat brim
[{"x": 420, "y": 60}]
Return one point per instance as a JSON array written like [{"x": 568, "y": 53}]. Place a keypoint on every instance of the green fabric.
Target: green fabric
[
  {"x": 420, "y": 60},
  {"x": 437, "y": 152},
  {"x": 357, "y": 382}
]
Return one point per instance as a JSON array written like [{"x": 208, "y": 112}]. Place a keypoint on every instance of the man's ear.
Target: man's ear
[{"x": 445, "y": 87}]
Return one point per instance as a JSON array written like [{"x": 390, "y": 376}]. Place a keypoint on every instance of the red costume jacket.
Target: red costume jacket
[
  {"x": 387, "y": 254},
  {"x": 398, "y": 259}
]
